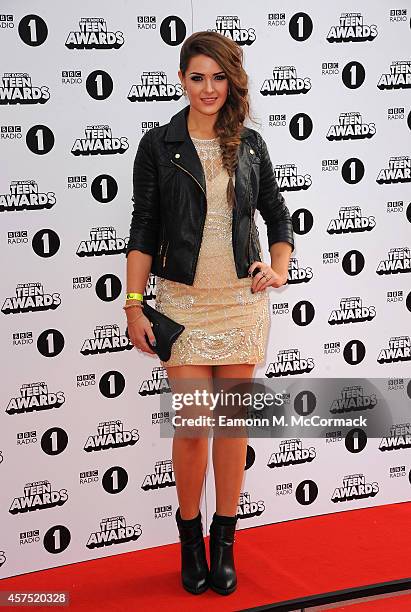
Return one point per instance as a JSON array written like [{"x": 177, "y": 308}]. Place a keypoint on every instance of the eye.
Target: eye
[
  {"x": 196, "y": 77},
  {"x": 220, "y": 77}
]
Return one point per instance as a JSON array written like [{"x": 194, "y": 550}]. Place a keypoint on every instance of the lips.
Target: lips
[{"x": 208, "y": 99}]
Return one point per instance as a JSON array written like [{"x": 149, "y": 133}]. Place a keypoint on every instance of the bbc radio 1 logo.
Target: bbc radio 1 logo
[
  {"x": 285, "y": 81},
  {"x": 146, "y": 22},
  {"x": 230, "y": 27},
  {"x": 398, "y": 15},
  {"x": 351, "y": 220},
  {"x": 351, "y": 310},
  {"x": 93, "y": 33},
  {"x": 33, "y": 30},
  {"x": 275, "y": 19},
  {"x": 6, "y": 21},
  {"x": 330, "y": 68},
  {"x": 99, "y": 140},
  {"x": 71, "y": 77},
  {"x": 30, "y": 297},
  {"x": 148, "y": 125},
  {"x": 398, "y": 171},
  {"x": 35, "y": 397},
  {"x": 155, "y": 85},
  {"x": 397, "y": 296},
  {"x": 50, "y": 342},
  {"x": 288, "y": 178},
  {"x": 300, "y": 25},
  {"x": 398, "y": 112},
  {"x": 25, "y": 195},
  {"x": 279, "y": 308},
  {"x": 350, "y": 126},
  {"x": 172, "y": 28},
  {"x": 10, "y": 132},
  {"x": 17, "y": 88},
  {"x": 399, "y": 76},
  {"x": 351, "y": 28},
  {"x": 352, "y": 74}
]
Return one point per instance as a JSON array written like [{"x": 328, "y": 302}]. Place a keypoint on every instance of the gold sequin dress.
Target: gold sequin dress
[{"x": 224, "y": 322}]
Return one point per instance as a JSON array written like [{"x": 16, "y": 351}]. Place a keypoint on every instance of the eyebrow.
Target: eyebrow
[{"x": 214, "y": 74}]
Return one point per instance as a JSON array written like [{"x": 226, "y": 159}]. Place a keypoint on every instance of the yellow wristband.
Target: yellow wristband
[{"x": 135, "y": 296}]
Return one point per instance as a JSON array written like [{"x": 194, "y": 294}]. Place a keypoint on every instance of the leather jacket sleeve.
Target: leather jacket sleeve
[
  {"x": 271, "y": 203},
  {"x": 145, "y": 218}
]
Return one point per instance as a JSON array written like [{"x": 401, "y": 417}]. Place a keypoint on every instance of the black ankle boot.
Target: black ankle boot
[
  {"x": 222, "y": 577},
  {"x": 194, "y": 567}
]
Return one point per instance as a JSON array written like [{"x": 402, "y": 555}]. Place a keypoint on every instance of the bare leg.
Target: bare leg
[
  {"x": 189, "y": 454},
  {"x": 229, "y": 454}
]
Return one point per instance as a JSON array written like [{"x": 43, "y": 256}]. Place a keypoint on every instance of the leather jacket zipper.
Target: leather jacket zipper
[
  {"x": 160, "y": 250},
  {"x": 249, "y": 241},
  {"x": 165, "y": 254},
  {"x": 199, "y": 184},
  {"x": 205, "y": 195},
  {"x": 235, "y": 226},
  {"x": 256, "y": 241}
]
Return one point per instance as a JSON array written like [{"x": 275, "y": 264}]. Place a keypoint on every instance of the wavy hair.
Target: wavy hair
[{"x": 229, "y": 55}]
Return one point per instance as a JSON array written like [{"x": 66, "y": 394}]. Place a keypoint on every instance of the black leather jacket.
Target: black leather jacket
[{"x": 170, "y": 201}]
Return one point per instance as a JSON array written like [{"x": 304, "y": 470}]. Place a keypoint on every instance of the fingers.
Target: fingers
[
  {"x": 142, "y": 340},
  {"x": 139, "y": 340},
  {"x": 142, "y": 345},
  {"x": 256, "y": 274},
  {"x": 264, "y": 279},
  {"x": 151, "y": 338},
  {"x": 259, "y": 275},
  {"x": 254, "y": 268},
  {"x": 259, "y": 283}
]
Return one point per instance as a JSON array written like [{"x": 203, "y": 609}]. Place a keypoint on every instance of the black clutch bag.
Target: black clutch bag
[{"x": 165, "y": 330}]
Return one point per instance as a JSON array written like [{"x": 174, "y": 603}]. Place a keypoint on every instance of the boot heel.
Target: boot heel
[
  {"x": 194, "y": 567},
  {"x": 222, "y": 577}
]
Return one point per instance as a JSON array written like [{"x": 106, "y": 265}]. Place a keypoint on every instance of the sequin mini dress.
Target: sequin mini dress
[{"x": 224, "y": 322}]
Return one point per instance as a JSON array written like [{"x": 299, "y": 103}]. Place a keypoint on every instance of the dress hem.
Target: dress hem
[{"x": 190, "y": 363}]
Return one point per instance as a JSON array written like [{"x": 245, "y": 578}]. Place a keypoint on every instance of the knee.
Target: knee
[{"x": 191, "y": 441}]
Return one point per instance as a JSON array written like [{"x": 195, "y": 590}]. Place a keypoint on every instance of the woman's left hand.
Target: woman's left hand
[{"x": 266, "y": 277}]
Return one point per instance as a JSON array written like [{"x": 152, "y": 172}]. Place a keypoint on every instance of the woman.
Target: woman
[{"x": 197, "y": 182}]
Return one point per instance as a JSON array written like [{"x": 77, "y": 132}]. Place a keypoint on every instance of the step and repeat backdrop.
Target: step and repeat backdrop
[{"x": 84, "y": 469}]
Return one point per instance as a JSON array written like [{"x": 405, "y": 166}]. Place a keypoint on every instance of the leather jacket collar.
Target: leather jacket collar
[
  {"x": 169, "y": 210},
  {"x": 178, "y": 137}
]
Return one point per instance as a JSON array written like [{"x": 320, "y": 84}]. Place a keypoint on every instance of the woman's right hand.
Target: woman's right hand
[{"x": 137, "y": 326}]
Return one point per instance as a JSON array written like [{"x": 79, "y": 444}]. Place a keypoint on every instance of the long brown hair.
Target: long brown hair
[{"x": 229, "y": 55}]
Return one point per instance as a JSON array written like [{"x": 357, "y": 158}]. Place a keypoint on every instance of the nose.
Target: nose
[{"x": 208, "y": 86}]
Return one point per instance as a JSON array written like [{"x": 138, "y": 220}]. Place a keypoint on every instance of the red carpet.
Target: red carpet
[{"x": 274, "y": 563}]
